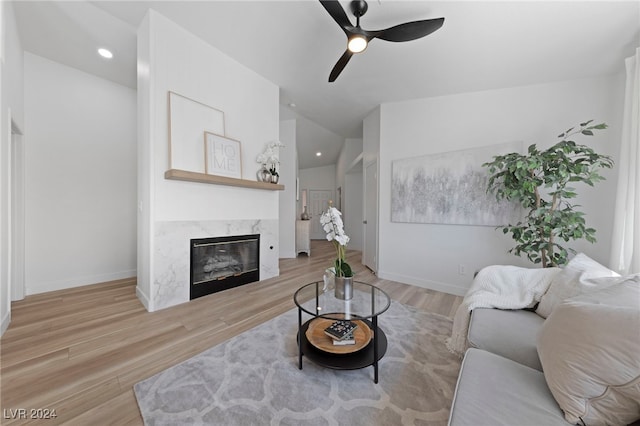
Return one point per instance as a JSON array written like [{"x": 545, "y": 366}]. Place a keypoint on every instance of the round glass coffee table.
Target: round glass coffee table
[{"x": 319, "y": 301}]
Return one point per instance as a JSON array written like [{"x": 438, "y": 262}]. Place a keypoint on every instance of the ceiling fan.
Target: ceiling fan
[{"x": 358, "y": 39}]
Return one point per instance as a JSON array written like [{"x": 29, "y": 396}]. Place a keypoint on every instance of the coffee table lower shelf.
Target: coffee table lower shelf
[{"x": 367, "y": 356}]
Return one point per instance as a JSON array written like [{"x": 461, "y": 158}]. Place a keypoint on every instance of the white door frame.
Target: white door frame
[
  {"x": 316, "y": 232},
  {"x": 370, "y": 248},
  {"x": 17, "y": 214}
]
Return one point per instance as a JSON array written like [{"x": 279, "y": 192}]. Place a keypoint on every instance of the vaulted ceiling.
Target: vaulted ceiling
[{"x": 295, "y": 44}]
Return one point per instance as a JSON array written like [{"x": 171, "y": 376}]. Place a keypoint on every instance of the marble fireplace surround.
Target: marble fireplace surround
[{"x": 170, "y": 285}]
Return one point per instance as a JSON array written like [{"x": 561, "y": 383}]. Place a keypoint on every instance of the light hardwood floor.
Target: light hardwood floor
[{"x": 80, "y": 351}]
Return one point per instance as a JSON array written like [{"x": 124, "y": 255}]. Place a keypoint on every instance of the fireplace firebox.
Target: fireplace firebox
[{"x": 222, "y": 263}]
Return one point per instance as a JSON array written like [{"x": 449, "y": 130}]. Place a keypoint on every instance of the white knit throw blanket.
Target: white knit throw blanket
[{"x": 502, "y": 287}]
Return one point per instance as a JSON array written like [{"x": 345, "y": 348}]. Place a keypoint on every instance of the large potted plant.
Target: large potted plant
[{"x": 539, "y": 181}]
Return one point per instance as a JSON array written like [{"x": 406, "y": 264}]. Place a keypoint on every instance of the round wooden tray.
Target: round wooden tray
[{"x": 317, "y": 337}]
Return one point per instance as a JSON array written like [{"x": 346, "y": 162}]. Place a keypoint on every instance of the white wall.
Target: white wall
[
  {"x": 350, "y": 181},
  {"x": 288, "y": 175},
  {"x": 172, "y": 59},
  {"x": 320, "y": 178},
  {"x": 310, "y": 136},
  {"x": 353, "y": 208},
  {"x": 11, "y": 108},
  {"x": 351, "y": 150},
  {"x": 371, "y": 137},
  {"x": 429, "y": 255},
  {"x": 370, "y": 154},
  {"x": 80, "y": 151}
]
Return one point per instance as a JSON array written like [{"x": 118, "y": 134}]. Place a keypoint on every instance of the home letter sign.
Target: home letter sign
[{"x": 222, "y": 156}]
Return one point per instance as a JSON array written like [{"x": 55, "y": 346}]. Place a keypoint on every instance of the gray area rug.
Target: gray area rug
[{"x": 253, "y": 379}]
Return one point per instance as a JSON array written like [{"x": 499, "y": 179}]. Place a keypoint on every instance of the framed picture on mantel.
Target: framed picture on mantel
[
  {"x": 188, "y": 118},
  {"x": 222, "y": 156}
]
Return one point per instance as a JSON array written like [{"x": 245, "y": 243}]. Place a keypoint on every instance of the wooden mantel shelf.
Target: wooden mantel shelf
[{"x": 175, "y": 174}]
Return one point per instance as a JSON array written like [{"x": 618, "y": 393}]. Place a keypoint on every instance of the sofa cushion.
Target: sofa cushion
[
  {"x": 589, "y": 348},
  {"x": 574, "y": 279},
  {"x": 508, "y": 333},
  {"x": 493, "y": 390}
]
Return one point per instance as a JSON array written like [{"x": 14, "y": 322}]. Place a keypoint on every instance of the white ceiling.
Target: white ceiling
[{"x": 294, "y": 44}]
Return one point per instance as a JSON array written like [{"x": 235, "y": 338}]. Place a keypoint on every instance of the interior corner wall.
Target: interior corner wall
[
  {"x": 80, "y": 192},
  {"x": 11, "y": 109},
  {"x": 351, "y": 149},
  {"x": 288, "y": 176},
  {"x": 353, "y": 208},
  {"x": 371, "y": 137},
  {"x": 146, "y": 177},
  {"x": 351, "y": 186},
  {"x": 173, "y": 59},
  {"x": 430, "y": 255}
]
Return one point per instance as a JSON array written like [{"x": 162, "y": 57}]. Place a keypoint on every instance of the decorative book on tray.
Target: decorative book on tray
[
  {"x": 316, "y": 335},
  {"x": 341, "y": 330}
]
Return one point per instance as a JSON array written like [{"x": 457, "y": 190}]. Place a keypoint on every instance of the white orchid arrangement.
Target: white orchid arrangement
[
  {"x": 271, "y": 157},
  {"x": 332, "y": 224}
]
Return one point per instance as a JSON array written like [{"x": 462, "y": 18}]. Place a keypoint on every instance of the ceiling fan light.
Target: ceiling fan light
[{"x": 357, "y": 44}]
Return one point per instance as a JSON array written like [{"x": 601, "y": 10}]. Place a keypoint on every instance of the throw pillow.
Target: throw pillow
[
  {"x": 589, "y": 350},
  {"x": 574, "y": 279}
]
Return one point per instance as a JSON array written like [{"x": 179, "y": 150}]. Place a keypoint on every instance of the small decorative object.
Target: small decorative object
[
  {"x": 318, "y": 338},
  {"x": 263, "y": 174},
  {"x": 538, "y": 181},
  {"x": 304, "y": 215},
  {"x": 222, "y": 156},
  {"x": 274, "y": 175},
  {"x": 332, "y": 224},
  {"x": 270, "y": 160},
  {"x": 341, "y": 329}
]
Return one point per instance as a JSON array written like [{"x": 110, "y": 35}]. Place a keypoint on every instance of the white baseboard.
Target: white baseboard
[
  {"x": 144, "y": 299},
  {"x": 5, "y": 323},
  {"x": 431, "y": 285},
  {"x": 72, "y": 282},
  {"x": 288, "y": 255}
]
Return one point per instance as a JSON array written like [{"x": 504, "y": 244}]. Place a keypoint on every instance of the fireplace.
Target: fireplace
[{"x": 223, "y": 262}]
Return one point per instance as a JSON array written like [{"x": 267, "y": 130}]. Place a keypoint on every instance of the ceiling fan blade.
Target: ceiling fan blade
[
  {"x": 410, "y": 30},
  {"x": 339, "y": 66},
  {"x": 337, "y": 13}
]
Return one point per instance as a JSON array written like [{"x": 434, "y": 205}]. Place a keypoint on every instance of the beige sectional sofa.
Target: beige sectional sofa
[
  {"x": 580, "y": 365},
  {"x": 501, "y": 380}
]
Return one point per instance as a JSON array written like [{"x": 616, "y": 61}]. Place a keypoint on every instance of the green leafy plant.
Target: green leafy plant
[{"x": 539, "y": 181}]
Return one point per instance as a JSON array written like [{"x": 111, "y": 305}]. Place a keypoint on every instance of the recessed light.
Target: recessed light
[
  {"x": 105, "y": 53},
  {"x": 318, "y": 154},
  {"x": 292, "y": 105}
]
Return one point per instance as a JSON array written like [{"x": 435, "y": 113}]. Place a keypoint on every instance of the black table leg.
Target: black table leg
[
  {"x": 300, "y": 338},
  {"x": 375, "y": 349}
]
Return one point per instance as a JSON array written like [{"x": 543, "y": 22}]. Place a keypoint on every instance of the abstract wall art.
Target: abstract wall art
[{"x": 450, "y": 188}]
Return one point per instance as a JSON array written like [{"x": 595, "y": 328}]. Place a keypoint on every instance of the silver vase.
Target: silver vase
[
  {"x": 264, "y": 175},
  {"x": 344, "y": 288}
]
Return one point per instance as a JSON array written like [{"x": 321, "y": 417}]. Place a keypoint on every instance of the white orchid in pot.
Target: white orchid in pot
[
  {"x": 332, "y": 224},
  {"x": 270, "y": 160}
]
